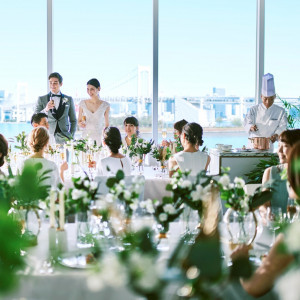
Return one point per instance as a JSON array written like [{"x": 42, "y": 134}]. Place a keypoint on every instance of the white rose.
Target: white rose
[
  {"x": 197, "y": 194},
  {"x": 186, "y": 184},
  {"x": 150, "y": 209},
  {"x": 224, "y": 180},
  {"x": 134, "y": 206},
  {"x": 122, "y": 182},
  {"x": 163, "y": 217},
  {"x": 127, "y": 195},
  {"x": 76, "y": 194},
  {"x": 86, "y": 183},
  {"x": 239, "y": 181},
  {"x": 143, "y": 204},
  {"x": 94, "y": 185},
  {"x": 119, "y": 189},
  {"x": 169, "y": 208}
]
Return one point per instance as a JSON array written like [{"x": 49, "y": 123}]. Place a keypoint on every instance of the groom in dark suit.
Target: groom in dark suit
[{"x": 60, "y": 110}]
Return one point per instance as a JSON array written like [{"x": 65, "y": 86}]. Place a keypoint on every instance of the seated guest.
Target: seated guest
[
  {"x": 131, "y": 126},
  {"x": 40, "y": 119},
  {"x": 276, "y": 262},
  {"x": 280, "y": 196},
  {"x": 178, "y": 126},
  {"x": 190, "y": 158},
  {"x": 3, "y": 151},
  {"x": 115, "y": 161},
  {"x": 38, "y": 142}
]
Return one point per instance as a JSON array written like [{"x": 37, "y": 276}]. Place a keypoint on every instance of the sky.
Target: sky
[{"x": 202, "y": 44}]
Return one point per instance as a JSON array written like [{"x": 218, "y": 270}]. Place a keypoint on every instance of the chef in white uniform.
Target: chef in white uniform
[{"x": 266, "y": 119}]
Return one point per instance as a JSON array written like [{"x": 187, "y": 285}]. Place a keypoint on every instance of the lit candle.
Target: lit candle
[
  {"x": 53, "y": 196},
  {"x": 62, "y": 209}
]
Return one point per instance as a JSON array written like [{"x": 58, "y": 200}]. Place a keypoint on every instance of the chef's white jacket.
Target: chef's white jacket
[{"x": 269, "y": 121}]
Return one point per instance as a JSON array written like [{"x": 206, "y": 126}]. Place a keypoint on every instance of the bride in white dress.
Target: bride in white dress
[
  {"x": 93, "y": 113},
  {"x": 115, "y": 161},
  {"x": 190, "y": 158}
]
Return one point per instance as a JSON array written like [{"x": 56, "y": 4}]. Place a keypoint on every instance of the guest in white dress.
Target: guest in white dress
[
  {"x": 38, "y": 142},
  {"x": 3, "y": 151},
  {"x": 115, "y": 161},
  {"x": 93, "y": 113},
  {"x": 190, "y": 158},
  {"x": 131, "y": 126}
]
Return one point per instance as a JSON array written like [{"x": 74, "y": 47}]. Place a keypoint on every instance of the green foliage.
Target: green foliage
[
  {"x": 139, "y": 146},
  {"x": 28, "y": 186},
  {"x": 236, "y": 122},
  {"x": 10, "y": 258},
  {"x": 161, "y": 154},
  {"x": 22, "y": 139},
  {"x": 256, "y": 175},
  {"x": 293, "y": 113},
  {"x": 79, "y": 198}
]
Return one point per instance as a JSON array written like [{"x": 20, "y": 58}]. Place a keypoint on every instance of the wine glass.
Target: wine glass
[
  {"x": 274, "y": 219},
  {"x": 164, "y": 133},
  {"x": 291, "y": 210}
]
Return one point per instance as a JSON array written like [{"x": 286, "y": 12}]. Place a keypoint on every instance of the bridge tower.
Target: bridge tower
[{"x": 143, "y": 88}]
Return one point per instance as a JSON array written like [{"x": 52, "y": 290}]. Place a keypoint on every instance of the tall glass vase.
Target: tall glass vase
[{"x": 84, "y": 231}]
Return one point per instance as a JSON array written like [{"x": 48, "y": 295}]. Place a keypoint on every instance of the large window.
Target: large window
[
  {"x": 206, "y": 61},
  {"x": 23, "y": 61},
  {"x": 282, "y": 46},
  {"x": 110, "y": 41}
]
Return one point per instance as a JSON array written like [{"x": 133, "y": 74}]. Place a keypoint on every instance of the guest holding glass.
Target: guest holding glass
[
  {"x": 178, "y": 126},
  {"x": 131, "y": 127},
  {"x": 38, "y": 141},
  {"x": 287, "y": 140},
  {"x": 93, "y": 113},
  {"x": 276, "y": 262},
  {"x": 190, "y": 158},
  {"x": 115, "y": 160}
]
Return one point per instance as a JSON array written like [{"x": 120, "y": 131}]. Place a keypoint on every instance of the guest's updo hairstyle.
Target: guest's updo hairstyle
[
  {"x": 3, "y": 149},
  {"x": 293, "y": 171},
  {"x": 290, "y": 137},
  {"x": 179, "y": 125},
  {"x": 38, "y": 138},
  {"x": 94, "y": 82},
  {"x": 193, "y": 133},
  {"x": 112, "y": 138},
  {"x": 133, "y": 121}
]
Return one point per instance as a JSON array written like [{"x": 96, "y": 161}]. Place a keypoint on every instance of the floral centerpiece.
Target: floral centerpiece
[
  {"x": 79, "y": 201},
  {"x": 240, "y": 218},
  {"x": 161, "y": 154},
  {"x": 79, "y": 197},
  {"x": 22, "y": 139},
  {"x": 135, "y": 266},
  {"x": 139, "y": 147},
  {"x": 128, "y": 195}
]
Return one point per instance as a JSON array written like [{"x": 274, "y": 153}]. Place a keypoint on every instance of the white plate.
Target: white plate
[{"x": 75, "y": 262}]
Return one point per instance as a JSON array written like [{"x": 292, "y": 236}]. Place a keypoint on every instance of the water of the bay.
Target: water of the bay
[{"x": 235, "y": 138}]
